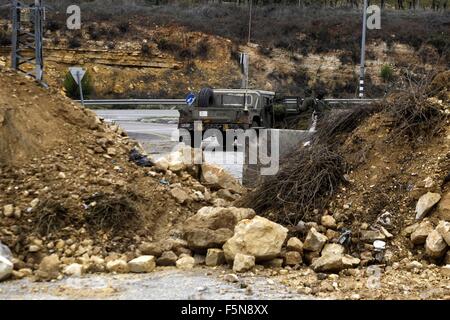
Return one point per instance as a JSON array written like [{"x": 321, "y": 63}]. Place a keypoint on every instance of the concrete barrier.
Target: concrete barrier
[{"x": 278, "y": 144}]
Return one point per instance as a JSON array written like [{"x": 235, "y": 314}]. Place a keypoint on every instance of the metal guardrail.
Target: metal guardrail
[
  {"x": 182, "y": 102},
  {"x": 338, "y": 101},
  {"x": 135, "y": 102}
]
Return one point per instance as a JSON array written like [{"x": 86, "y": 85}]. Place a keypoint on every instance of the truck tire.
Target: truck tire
[{"x": 206, "y": 98}]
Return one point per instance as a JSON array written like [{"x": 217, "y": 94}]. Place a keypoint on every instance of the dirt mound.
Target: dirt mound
[
  {"x": 387, "y": 170},
  {"x": 68, "y": 186},
  {"x": 33, "y": 120}
]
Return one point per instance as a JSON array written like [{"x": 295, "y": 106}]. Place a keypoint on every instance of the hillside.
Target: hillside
[{"x": 169, "y": 51}]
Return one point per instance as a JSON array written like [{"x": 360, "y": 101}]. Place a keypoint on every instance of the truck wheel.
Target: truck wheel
[{"x": 206, "y": 98}]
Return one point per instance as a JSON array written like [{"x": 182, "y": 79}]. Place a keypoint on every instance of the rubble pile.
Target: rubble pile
[
  {"x": 393, "y": 180},
  {"x": 78, "y": 195}
]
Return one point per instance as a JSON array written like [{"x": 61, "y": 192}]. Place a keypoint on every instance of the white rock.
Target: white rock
[
  {"x": 426, "y": 203},
  {"x": 34, "y": 248},
  {"x": 333, "y": 248},
  {"x": 73, "y": 269},
  {"x": 444, "y": 230},
  {"x": 118, "y": 266},
  {"x": 258, "y": 237},
  {"x": 34, "y": 203},
  {"x": 142, "y": 264},
  {"x": 217, "y": 177},
  {"x": 6, "y": 268},
  {"x": 435, "y": 245},
  {"x": 231, "y": 278},
  {"x": 5, "y": 252},
  {"x": 243, "y": 263},
  {"x": 8, "y": 210},
  {"x": 162, "y": 164},
  {"x": 185, "y": 263},
  {"x": 414, "y": 265},
  {"x": 328, "y": 221}
]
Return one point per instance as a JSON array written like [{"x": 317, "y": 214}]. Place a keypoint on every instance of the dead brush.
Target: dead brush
[
  {"x": 305, "y": 183},
  {"x": 413, "y": 110},
  {"x": 340, "y": 122},
  {"x": 51, "y": 216},
  {"x": 111, "y": 211},
  {"x": 310, "y": 178}
]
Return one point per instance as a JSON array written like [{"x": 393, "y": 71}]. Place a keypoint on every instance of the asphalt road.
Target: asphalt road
[
  {"x": 163, "y": 284},
  {"x": 157, "y": 132}
]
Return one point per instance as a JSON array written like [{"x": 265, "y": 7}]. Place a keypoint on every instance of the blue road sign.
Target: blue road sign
[{"x": 190, "y": 99}]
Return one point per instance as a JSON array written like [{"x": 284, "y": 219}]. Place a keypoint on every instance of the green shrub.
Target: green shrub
[
  {"x": 72, "y": 89},
  {"x": 387, "y": 72}
]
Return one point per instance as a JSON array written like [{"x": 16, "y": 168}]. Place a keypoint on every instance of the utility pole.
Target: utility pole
[
  {"x": 363, "y": 52},
  {"x": 27, "y": 34},
  {"x": 250, "y": 21}
]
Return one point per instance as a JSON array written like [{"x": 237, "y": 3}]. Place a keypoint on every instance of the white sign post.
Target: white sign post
[{"x": 78, "y": 75}]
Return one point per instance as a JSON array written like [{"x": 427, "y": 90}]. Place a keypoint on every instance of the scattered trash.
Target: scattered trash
[
  {"x": 385, "y": 219},
  {"x": 379, "y": 245},
  {"x": 164, "y": 182},
  {"x": 345, "y": 237},
  {"x": 140, "y": 159}
]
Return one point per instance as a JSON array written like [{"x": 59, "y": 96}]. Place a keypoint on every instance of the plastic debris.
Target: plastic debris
[{"x": 140, "y": 159}]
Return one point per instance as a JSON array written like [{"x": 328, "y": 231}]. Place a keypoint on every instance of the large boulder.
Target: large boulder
[
  {"x": 257, "y": 237},
  {"x": 217, "y": 178},
  {"x": 211, "y": 227},
  {"x": 118, "y": 266},
  {"x": 420, "y": 234},
  {"x": 74, "y": 270},
  {"x": 168, "y": 258},
  {"x": 314, "y": 241},
  {"x": 333, "y": 261},
  {"x": 333, "y": 248},
  {"x": 443, "y": 208},
  {"x": 426, "y": 203},
  {"x": 435, "y": 245},
  {"x": 142, "y": 264},
  {"x": 444, "y": 230},
  {"x": 49, "y": 268},
  {"x": 185, "y": 263},
  {"x": 5, "y": 252},
  {"x": 6, "y": 268}
]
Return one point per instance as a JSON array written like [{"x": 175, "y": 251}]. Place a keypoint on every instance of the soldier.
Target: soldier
[{"x": 314, "y": 105}]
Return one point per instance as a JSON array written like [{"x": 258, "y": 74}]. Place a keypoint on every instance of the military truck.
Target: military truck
[{"x": 225, "y": 109}]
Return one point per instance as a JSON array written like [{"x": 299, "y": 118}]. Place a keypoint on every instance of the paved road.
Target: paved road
[
  {"x": 165, "y": 284},
  {"x": 157, "y": 132}
]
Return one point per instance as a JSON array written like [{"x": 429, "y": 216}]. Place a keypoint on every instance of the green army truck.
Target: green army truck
[{"x": 225, "y": 109}]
